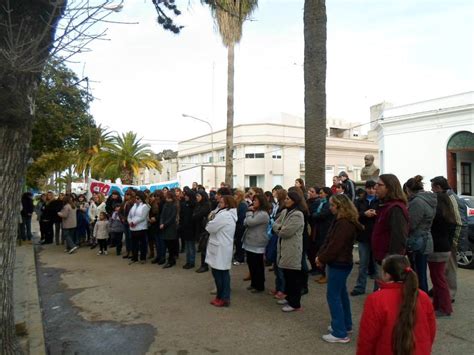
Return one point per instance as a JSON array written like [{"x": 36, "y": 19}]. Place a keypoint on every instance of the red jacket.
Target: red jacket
[{"x": 380, "y": 315}]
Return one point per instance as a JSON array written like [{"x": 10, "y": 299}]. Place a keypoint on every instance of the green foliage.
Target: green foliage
[{"x": 125, "y": 155}]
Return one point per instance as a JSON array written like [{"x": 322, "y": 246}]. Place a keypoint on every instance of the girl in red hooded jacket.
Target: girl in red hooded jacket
[{"x": 399, "y": 318}]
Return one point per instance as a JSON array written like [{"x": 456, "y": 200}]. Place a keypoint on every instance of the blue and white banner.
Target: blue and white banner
[{"x": 107, "y": 188}]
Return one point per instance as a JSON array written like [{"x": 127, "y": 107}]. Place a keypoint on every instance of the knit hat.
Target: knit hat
[{"x": 294, "y": 196}]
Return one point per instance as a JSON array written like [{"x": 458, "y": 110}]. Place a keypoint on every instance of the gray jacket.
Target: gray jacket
[
  {"x": 255, "y": 234},
  {"x": 422, "y": 210},
  {"x": 289, "y": 228}
]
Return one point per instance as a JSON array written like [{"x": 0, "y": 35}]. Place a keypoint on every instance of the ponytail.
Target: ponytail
[{"x": 398, "y": 267}]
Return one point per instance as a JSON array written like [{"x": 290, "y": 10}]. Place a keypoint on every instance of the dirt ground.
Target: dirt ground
[{"x": 100, "y": 304}]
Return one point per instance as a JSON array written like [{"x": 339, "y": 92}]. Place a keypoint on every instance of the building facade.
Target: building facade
[
  {"x": 429, "y": 138},
  {"x": 268, "y": 154}
]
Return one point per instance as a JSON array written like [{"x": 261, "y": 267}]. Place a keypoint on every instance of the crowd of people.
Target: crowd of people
[{"x": 400, "y": 231}]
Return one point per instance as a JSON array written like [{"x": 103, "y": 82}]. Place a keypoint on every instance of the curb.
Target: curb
[{"x": 27, "y": 307}]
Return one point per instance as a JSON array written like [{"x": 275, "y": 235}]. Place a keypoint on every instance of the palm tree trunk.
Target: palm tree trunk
[
  {"x": 229, "y": 146},
  {"x": 315, "y": 91}
]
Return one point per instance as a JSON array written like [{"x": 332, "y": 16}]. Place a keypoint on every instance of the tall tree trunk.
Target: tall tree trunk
[
  {"x": 315, "y": 91},
  {"x": 13, "y": 162},
  {"x": 229, "y": 142},
  {"x": 27, "y": 31}
]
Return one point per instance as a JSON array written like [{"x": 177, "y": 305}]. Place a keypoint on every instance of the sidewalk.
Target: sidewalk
[{"x": 27, "y": 310}]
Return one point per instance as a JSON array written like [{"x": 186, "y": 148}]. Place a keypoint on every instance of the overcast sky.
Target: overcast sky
[{"x": 378, "y": 50}]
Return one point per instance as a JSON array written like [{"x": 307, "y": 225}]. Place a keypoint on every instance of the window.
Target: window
[
  {"x": 277, "y": 152},
  {"x": 254, "y": 180},
  {"x": 356, "y": 170},
  {"x": 466, "y": 187},
  {"x": 329, "y": 174},
  {"x": 341, "y": 168},
  {"x": 277, "y": 180},
  {"x": 221, "y": 155},
  {"x": 254, "y": 151},
  {"x": 207, "y": 157},
  {"x": 302, "y": 155}
]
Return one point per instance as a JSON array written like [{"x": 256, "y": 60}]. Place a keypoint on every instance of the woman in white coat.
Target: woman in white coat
[{"x": 221, "y": 231}]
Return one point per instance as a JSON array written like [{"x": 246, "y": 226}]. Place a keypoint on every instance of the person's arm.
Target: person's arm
[
  {"x": 398, "y": 231},
  {"x": 291, "y": 224},
  {"x": 370, "y": 327},
  {"x": 217, "y": 223},
  {"x": 323, "y": 214},
  {"x": 96, "y": 229},
  {"x": 339, "y": 235},
  {"x": 416, "y": 212},
  {"x": 170, "y": 217},
  {"x": 64, "y": 213},
  {"x": 253, "y": 219},
  {"x": 141, "y": 214}
]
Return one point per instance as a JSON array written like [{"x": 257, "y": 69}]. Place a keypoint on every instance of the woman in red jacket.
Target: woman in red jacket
[{"x": 399, "y": 318}]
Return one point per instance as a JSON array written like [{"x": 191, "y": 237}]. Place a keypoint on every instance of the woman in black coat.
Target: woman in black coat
[
  {"x": 200, "y": 213},
  {"x": 169, "y": 227},
  {"x": 186, "y": 227}
]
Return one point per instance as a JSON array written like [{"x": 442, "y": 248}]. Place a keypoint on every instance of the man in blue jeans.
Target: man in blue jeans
[{"x": 367, "y": 207}]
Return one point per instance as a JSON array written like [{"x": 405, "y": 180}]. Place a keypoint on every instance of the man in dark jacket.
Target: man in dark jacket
[
  {"x": 349, "y": 186},
  {"x": 27, "y": 208},
  {"x": 367, "y": 207}
]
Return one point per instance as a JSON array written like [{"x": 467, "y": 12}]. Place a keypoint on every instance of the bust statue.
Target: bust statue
[{"x": 369, "y": 171}]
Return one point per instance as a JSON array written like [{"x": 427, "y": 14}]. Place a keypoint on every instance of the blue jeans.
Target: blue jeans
[
  {"x": 68, "y": 236},
  {"x": 364, "y": 259},
  {"x": 190, "y": 246},
  {"x": 26, "y": 228},
  {"x": 160, "y": 247},
  {"x": 222, "y": 280},
  {"x": 338, "y": 300},
  {"x": 420, "y": 264},
  {"x": 279, "y": 278}
]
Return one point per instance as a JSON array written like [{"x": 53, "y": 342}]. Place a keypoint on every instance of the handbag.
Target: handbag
[
  {"x": 203, "y": 239},
  {"x": 417, "y": 240}
]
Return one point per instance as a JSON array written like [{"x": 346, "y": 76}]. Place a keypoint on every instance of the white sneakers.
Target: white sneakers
[
  {"x": 73, "y": 250},
  {"x": 282, "y": 302},
  {"x": 330, "y": 330},
  {"x": 288, "y": 308},
  {"x": 332, "y": 339}
]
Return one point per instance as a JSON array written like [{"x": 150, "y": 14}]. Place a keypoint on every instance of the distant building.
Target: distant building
[
  {"x": 267, "y": 154},
  {"x": 152, "y": 176},
  {"x": 430, "y": 138}
]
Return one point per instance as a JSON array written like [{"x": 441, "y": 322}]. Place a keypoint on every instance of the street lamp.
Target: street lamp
[
  {"x": 212, "y": 132},
  {"x": 212, "y": 141}
]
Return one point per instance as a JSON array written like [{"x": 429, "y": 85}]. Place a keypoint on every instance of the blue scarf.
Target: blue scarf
[
  {"x": 370, "y": 198},
  {"x": 322, "y": 202}
]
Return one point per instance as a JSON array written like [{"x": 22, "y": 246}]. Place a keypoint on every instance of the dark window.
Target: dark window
[
  {"x": 252, "y": 180},
  {"x": 250, "y": 155},
  {"x": 259, "y": 155},
  {"x": 466, "y": 187}
]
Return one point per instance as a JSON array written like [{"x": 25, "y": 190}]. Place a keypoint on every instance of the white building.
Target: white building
[
  {"x": 152, "y": 176},
  {"x": 267, "y": 154},
  {"x": 429, "y": 138}
]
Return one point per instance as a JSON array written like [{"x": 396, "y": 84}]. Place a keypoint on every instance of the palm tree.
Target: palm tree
[
  {"x": 229, "y": 16},
  {"x": 315, "y": 36},
  {"x": 89, "y": 147},
  {"x": 125, "y": 155}
]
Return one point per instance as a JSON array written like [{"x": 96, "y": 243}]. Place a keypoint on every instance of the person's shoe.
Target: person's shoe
[
  {"x": 430, "y": 293},
  {"x": 105, "y": 252},
  {"x": 355, "y": 292},
  {"x": 93, "y": 246},
  {"x": 332, "y": 339},
  {"x": 250, "y": 288},
  {"x": 222, "y": 303},
  {"x": 130, "y": 257},
  {"x": 272, "y": 292},
  {"x": 247, "y": 278},
  {"x": 236, "y": 263},
  {"x": 125, "y": 256},
  {"x": 256, "y": 291},
  {"x": 282, "y": 302},
  {"x": 154, "y": 261},
  {"x": 202, "y": 269},
  {"x": 322, "y": 280},
  {"x": 215, "y": 301},
  {"x": 99, "y": 253},
  {"x": 161, "y": 262},
  {"x": 132, "y": 262},
  {"x": 288, "y": 308},
  {"x": 188, "y": 266},
  {"x": 142, "y": 262},
  {"x": 168, "y": 265},
  {"x": 279, "y": 296},
  {"x": 304, "y": 291},
  {"x": 330, "y": 330},
  {"x": 440, "y": 314},
  {"x": 72, "y": 250},
  {"x": 213, "y": 291}
]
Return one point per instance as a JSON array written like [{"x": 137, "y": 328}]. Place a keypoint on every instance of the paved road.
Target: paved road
[{"x": 100, "y": 304}]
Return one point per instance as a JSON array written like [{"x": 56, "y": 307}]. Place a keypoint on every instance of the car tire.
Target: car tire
[{"x": 466, "y": 259}]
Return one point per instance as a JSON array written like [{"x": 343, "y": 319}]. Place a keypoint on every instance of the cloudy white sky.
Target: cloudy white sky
[{"x": 378, "y": 50}]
